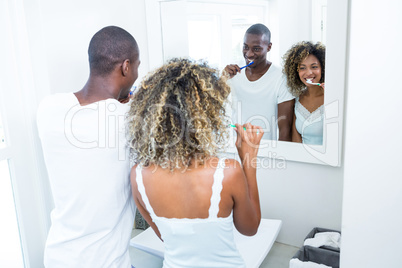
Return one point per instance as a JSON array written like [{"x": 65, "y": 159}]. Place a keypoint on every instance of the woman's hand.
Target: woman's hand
[
  {"x": 248, "y": 141},
  {"x": 322, "y": 85}
]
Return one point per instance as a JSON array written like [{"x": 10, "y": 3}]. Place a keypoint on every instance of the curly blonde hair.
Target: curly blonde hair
[
  {"x": 292, "y": 59},
  {"x": 178, "y": 115}
]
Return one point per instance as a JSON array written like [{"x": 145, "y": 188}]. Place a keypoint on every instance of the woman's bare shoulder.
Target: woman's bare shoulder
[
  {"x": 232, "y": 163},
  {"x": 233, "y": 169}
]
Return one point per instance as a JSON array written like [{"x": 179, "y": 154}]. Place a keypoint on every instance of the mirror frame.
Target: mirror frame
[{"x": 335, "y": 83}]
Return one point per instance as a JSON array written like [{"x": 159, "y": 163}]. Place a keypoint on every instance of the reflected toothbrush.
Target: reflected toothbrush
[
  {"x": 247, "y": 65},
  {"x": 310, "y": 81}
]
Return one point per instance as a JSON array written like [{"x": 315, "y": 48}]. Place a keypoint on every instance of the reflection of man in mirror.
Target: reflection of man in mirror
[{"x": 260, "y": 94}]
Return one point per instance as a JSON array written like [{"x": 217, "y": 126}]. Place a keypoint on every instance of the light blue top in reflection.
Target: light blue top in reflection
[{"x": 309, "y": 125}]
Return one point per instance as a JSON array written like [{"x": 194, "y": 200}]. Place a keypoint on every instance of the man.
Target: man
[
  {"x": 260, "y": 94},
  {"x": 86, "y": 155}
]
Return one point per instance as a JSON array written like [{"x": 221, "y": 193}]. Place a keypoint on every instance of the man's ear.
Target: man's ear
[
  {"x": 125, "y": 67},
  {"x": 269, "y": 46}
]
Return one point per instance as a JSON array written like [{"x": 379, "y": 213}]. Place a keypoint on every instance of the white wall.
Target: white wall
[
  {"x": 302, "y": 195},
  {"x": 68, "y": 26},
  {"x": 372, "y": 205}
]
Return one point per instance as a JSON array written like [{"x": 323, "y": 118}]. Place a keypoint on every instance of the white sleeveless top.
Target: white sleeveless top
[{"x": 192, "y": 243}]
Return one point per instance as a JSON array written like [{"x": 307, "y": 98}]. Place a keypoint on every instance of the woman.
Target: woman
[
  {"x": 188, "y": 195},
  {"x": 304, "y": 66}
]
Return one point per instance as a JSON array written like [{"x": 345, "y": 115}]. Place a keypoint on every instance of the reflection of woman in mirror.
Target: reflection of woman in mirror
[
  {"x": 304, "y": 66},
  {"x": 187, "y": 194}
]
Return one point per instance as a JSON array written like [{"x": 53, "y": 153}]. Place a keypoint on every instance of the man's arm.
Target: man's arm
[
  {"x": 285, "y": 119},
  {"x": 296, "y": 137}
]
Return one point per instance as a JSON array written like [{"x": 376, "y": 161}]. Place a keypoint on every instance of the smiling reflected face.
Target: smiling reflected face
[
  {"x": 310, "y": 69},
  {"x": 255, "y": 48}
]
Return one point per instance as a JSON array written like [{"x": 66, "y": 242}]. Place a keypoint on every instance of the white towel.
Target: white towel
[
  {"x": 296, "y": 263},
  {"x": 332, "y": 239}
]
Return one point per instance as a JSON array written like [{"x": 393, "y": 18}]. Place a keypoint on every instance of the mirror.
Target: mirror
[{"x": 206, "y": 30}]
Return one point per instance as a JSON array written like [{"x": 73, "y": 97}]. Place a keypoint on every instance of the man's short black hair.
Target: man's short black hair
[
  {"x": 259, "y": 29},
  {"x": 108, "y": 47}
]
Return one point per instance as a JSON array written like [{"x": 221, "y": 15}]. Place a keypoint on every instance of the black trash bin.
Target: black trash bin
[
  {"x": 318, "y": 255},
  {"x": 315, "y": 230},
  {"x": 322, "y": 255}
]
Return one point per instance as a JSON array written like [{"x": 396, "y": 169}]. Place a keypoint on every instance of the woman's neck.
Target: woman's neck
[{"x": 314, "y": 91}]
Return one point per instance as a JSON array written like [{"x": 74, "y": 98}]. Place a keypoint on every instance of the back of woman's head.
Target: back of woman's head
[{"x": 178, "y": 115}]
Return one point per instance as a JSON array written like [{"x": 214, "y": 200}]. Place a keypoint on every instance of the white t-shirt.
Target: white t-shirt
[
  {"x": 87, "y": 159},
  {"x": 257, "y": 101}
]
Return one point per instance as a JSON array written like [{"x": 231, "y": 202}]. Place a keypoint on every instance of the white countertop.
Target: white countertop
[{"x": 252, "y": 248}]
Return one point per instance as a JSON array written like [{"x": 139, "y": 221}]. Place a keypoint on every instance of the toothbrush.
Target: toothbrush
[
  {"x": 247, "y": 65},
  {"x": 311, "y": 83},
  {"x": 132, "y": 90},
  {"x": 235, "y": 126},
  {"x": 258, "y": 132}
]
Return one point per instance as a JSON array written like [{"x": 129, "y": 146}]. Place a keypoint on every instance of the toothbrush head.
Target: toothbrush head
[
  {"x": 247, "y": 65},
  {"x": 133, "y": 88},
  {"x": 235, "y": 126},
  {"x": 310, "y": 81}
]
